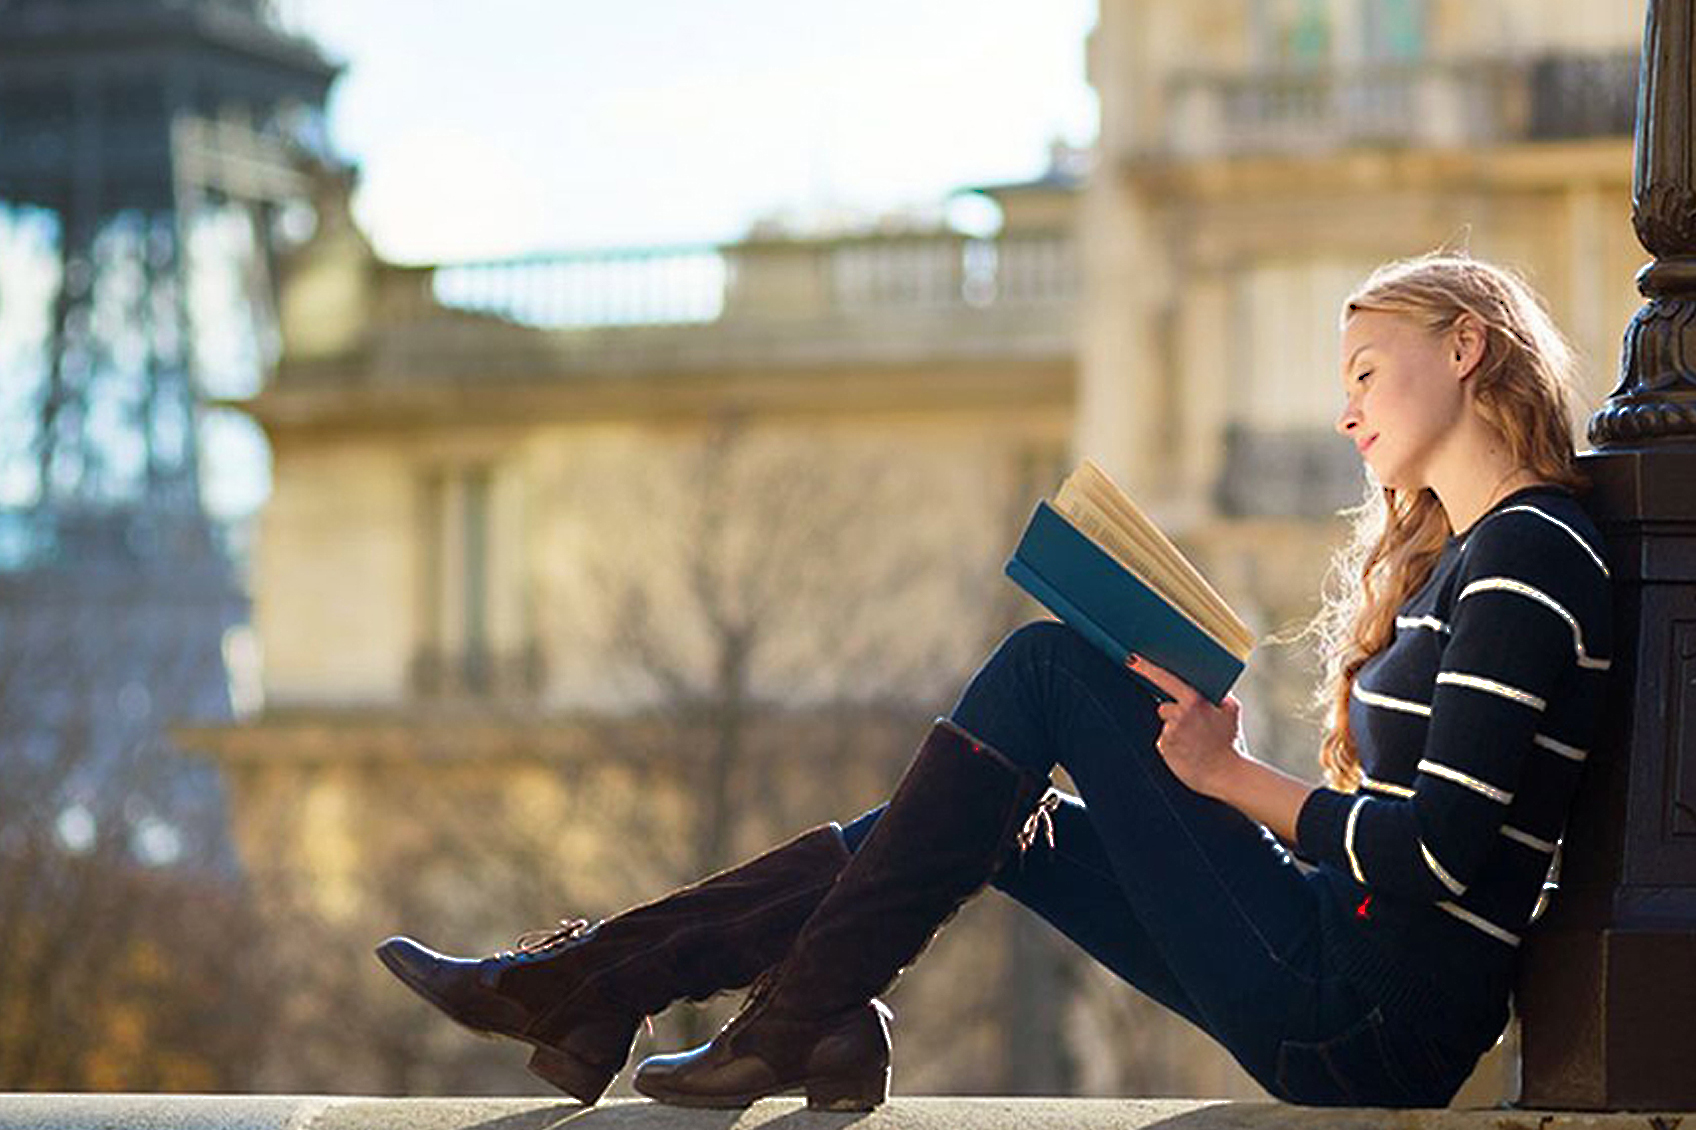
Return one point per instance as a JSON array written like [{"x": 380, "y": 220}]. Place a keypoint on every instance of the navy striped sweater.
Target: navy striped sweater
[{"x": 1473, "y": 726}]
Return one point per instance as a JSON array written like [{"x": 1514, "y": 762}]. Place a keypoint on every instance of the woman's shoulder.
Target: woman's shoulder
[
  {"x": 1542, "y": 537},
  {"x": 1547, "y": 518}
]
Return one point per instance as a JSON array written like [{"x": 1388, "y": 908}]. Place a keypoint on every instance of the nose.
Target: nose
[{"x": 1348, "y": 420}]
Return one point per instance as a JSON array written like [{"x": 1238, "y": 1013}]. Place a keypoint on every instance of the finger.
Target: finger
[{"x": 1164, "y": 679}]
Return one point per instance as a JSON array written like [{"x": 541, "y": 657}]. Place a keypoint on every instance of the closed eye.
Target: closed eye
[{"x": 1364, "y": 374}]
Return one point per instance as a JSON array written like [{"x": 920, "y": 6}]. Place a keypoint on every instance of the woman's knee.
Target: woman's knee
[
  {"x": 1039, "y": 638},
  {"x": 854, "y": 832},
  {"x": 1050, "y": 643}
]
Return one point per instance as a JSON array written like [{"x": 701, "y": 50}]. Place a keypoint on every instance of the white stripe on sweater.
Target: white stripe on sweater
[
  {"x": 1456, "y": 887},
  {"x": 1520, "y": 588},
  {"x": 1491, "y": 686},
  {"x": 1572, "y": 533},
  {"x": 1570, "y": 752},
  {"x": 1348, "y": 841},
  {"x": 1385, "y": 787},
  {"x": 1483, "y": 924},
  {"x": 1373, "y": 698},
  {"x": 1465, "y": 781},
  {"x": 1523, "y": 837}
]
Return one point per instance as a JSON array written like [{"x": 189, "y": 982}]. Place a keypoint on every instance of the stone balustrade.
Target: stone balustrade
[
  {"x": 1416, "y": 102},
  {"x": 760, "y": 280}
]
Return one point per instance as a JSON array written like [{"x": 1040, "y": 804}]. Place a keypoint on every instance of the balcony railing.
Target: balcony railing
[
  {"x": 1289, "y": 474},
  {"x": 1584, "y": 96},
  {"x": 437, "y": 673},
  {"x": 638, "y": 286},
  {"x": 758, "y": 281},
  {"x": 1418, "y": 103}
]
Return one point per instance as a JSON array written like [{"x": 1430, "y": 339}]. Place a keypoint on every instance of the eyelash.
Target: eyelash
[{"x": 1363, "y": 375}]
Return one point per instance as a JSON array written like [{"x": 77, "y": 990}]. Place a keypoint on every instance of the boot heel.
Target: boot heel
[
  {"x": 571, "y": 1075},
  {"x": 859, "y": 1092}
]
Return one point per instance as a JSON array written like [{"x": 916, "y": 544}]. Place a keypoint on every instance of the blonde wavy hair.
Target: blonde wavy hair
[{"x": 1523, "y": 387}]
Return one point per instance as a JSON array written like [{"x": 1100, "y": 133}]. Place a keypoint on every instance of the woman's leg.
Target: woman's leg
[
  {"x": 814, "y": 1023},
  {"x": 578, "y": 994},
  {"x": 1230, "y": 930},
  {"x": 1208, "y": 914},
  {"x": 1072, "y": 887}
]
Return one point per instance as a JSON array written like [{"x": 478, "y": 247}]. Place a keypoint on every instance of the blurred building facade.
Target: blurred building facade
[
  {"x": 718, "y": 529},
  {"x": 1257, "y": 158},
  {"x": 693, "y": 540}
]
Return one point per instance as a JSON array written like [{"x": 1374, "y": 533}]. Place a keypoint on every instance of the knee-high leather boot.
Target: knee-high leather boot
[
  {"x": 579, "y": 993},
  {"x": 812, "y": 1022}
]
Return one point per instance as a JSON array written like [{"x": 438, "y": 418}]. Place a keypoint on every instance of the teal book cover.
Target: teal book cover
[{"x": 1086, "y": 588}]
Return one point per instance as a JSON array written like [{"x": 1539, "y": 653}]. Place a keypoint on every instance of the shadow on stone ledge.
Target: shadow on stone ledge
[{"x": 317, "y": 1112}]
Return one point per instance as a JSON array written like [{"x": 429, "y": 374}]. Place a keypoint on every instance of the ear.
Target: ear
[{"x": 1466, "y": 345}]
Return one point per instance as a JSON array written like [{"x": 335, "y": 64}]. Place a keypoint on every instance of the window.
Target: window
[
  {"x": 1282, "y": 456},
  {"x": 1310, "y": 34},
  {"x": 1393, "y": 29},
  {"x": 1294, "y": 33},
  {"x": 454, "y": 573}
]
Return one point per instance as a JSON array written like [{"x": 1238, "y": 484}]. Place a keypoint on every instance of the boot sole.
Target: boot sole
[
  {"x": 830, "y": 1094},
  {"x": 553, "y": 1065},
  {"x": 582, "y": 1081}
]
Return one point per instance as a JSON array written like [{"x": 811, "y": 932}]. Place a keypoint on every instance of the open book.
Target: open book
[{"x": 1097, "y": 562}]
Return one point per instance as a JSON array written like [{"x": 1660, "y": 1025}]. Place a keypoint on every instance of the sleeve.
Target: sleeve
[{"x": 1515, "y": 633}]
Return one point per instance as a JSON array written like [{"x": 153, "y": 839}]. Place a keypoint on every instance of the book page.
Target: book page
[
  {"x": 1118, "y": 520},
  {"x": 1106, "y": 515}
]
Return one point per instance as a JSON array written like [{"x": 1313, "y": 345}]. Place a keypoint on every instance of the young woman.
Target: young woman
[{"x": 1467, "y": 645}]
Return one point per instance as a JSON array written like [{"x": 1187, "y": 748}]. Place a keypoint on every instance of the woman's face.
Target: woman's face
[{"x": 1404, "y": 396}]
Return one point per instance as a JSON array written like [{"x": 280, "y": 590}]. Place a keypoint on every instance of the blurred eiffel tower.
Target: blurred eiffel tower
[{"x": 151, "y": 155}]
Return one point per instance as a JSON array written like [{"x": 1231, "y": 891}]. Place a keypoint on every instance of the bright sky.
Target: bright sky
[
  {"x": 486, "y": 128},
  {"x": 498, "y": 126}
]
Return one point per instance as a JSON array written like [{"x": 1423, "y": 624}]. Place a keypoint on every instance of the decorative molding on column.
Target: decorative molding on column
[{"x": 1656, "y": 398}]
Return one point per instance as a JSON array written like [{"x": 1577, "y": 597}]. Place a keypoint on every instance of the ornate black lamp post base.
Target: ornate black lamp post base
[{"x": 1608, "y": 990}]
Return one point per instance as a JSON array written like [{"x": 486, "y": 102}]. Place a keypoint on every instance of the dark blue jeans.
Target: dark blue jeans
[{"x": 1184, "y": 897}]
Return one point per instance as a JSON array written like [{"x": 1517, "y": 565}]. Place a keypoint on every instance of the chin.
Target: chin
[{"x": 1401, "y": 484}]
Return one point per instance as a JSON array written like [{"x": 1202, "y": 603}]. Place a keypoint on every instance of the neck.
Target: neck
[
  {"x": 1473, "y": 470},
  {"x": 1468, "y": 498}
]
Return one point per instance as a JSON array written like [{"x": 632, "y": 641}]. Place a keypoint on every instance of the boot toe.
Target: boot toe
[
  {"x": 654, "y": 1072},
  {"x": 421, "y": 967},
  {"x": 704, "y": 1077},
  {"x": 841, "y": 1062},
  {"x": 455, "y": 985}
]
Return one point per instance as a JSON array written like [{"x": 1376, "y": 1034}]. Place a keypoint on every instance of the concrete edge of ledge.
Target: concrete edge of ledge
[{"x": 343, "y": 1112}]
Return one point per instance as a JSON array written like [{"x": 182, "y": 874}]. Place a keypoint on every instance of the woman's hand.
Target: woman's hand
[{"x": 1202, "y": 743}]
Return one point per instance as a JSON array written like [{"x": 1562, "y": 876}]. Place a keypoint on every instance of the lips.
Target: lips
[{"x": 1366, "y": 443}]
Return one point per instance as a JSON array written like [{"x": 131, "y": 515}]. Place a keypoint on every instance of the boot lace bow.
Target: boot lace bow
[
  {"x": 534, "y": 942},
  {"x": 754, "y": 1002},
  {"x": 1039, "y": 823}
]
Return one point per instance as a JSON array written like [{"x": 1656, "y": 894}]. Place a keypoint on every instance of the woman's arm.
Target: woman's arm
[
  {"x": 1525, "y": 629},
  {"x": 1529, "y": 598},
  {"x": 1265, "y": 794},
  {"x": 1203, "y": 745}
]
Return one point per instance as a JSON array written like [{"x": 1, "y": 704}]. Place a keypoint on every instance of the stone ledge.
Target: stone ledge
[{"x": 313, "y": 1112}]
